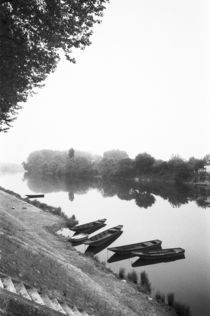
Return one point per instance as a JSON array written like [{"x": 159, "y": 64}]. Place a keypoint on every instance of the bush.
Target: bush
[
  {"x": 181, "y": 309},
  {"x": 145, "y": 284},
  {"x": 160, "y": 297},
  {"x": 170, "y": 299},
  {"x": 132, "y": 277},
  {"x": 122, "y": 273},
  {"x": 71, "y": 221}
]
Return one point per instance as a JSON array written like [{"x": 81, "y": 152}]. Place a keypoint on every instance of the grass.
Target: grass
[
  {"x": 39, "y": 259},
  {"x": 142, "y": 282},
  {"x": 69, "y": 221}
]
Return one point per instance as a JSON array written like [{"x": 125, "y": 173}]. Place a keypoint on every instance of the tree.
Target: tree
[
  {"x": 32, "y": 35},
  {"x": 194, "y": 164},
  {"x": 115, "y": 154},
  {"x": 206, "y": 159},
  {"x": 144, "y": 162},
  {"x": 178, "y": 169},
  {"x": 71, "y": 153},
  {"x": 125, "y": 168}
]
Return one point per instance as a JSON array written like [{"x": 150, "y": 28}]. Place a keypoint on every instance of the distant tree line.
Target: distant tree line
[
  {"x": 114, "y": 164},
  {"x": 142, "y": 193}
]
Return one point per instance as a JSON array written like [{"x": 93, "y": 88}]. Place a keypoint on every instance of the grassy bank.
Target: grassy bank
[{"x": 33, "y": 254}]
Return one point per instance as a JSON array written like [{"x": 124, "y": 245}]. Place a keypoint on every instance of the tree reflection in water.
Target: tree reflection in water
[{"x": 143, "y": 193}]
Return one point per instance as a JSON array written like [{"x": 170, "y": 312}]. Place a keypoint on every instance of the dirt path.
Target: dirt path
[{"x": 30, "y": 252}]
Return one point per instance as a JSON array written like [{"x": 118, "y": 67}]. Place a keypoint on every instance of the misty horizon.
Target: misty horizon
[{"x": 142, "y": 86}]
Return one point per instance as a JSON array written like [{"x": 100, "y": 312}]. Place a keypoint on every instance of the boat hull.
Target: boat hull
[
  {"x": 103, "y": 240},
  {"x": 100, "y": 238},
  {"x": 88, "y": 226},
  {"x": 91, "y": 229},
  {"x": 160, "y": 254},
  {"x": 143, "y": 246},
  {"x": 78, "y": 238}
]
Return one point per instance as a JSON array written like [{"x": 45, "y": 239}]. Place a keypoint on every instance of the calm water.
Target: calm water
[{"x": 178, "y": 216}]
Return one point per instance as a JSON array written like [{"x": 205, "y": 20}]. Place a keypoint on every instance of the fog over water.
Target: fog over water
[{"x": 141, "y": 86}]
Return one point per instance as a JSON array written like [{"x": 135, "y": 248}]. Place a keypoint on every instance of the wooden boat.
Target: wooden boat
[
  {"x": 32, "y": 196},
  {"x": 91, "y": 229},
  {"x": 93, "y": 250},
  {"x": 118, "y": 257},
  {"x": 142, "y": 246},
  {"x": 141, "y": 262},
  {"x": 86, "y": 226},
  {"x": 78, "y": 238},
  {"x": 159, "y": 254},
  {"x": 103, "y": 236}
]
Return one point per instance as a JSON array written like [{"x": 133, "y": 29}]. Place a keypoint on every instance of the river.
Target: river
[{"x": 180, "y": 217}]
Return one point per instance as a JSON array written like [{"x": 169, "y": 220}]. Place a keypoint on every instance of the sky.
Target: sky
[{"x": 142, "y": 86}]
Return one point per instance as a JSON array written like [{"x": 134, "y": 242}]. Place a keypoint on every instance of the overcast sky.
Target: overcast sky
[{"x": 141, "y": 86}]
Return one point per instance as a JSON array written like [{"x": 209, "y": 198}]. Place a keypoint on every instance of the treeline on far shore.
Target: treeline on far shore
[{"x": 113, "y": 164}]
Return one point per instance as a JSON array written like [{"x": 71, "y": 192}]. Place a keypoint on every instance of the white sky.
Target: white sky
[{"x": 141, "y": 86}]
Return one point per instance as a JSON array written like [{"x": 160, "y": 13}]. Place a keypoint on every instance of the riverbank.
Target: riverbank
[{"x": 31, "y": 252}]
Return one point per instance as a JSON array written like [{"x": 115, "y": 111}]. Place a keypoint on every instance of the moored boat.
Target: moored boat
[
  {"x": 159, "y": 254},
  {"x": 90, "y": 225},
  {"x": 93, "y": 250},
  {"x": 145, "y": 262},
  {"x": 33, "y": 196},
  {"x": 141, "y": 246},
  {"x": 103, "y": 236},
  {"x": 78, "y": 238},
  {"x": 91, "y": 229}
]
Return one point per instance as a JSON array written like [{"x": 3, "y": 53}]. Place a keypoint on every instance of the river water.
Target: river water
[{"x": 180, "y": 217}]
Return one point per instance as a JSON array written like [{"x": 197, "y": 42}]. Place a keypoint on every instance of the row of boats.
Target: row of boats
[{"x": 148, "y": 250}]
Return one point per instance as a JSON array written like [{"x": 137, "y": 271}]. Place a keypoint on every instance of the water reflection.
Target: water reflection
[{"x": 142, "y": 193}]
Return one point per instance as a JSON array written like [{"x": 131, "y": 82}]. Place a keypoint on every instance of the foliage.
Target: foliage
[
  {"x": 32, "y": 36},
  {"x": 143, "y": 162},
  {"x": 76, "y": 164},
  {"x": 181, "y": 309},
  {"x": 132, "y": 277},
  {"x": 195, "y": 164},
  {"x": 122, "y": 273},
  {"x": 145, "y": 285},
  {"x": 160, "y": 297},
  {"x": 115, "y": 154},
  {"x": 49, "y": 162},
  {"x": 71, "y": 153},
  {"x": 71, "y": 221},
  {"x": 206, "y": 159},
  {"x": 170, "y": 299}
]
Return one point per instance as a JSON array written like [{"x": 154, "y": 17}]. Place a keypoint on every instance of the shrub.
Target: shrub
[
  {"x": 71, "y": 221},
  {"x": 145, "y": 284},
  {"x": 122, "y": 273},
  {"x": 181, "y": 309},
  {"x": 160, "y": 297},
  {"x": 132, "y": 277},
  {"x": 170, "y": 299}
]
